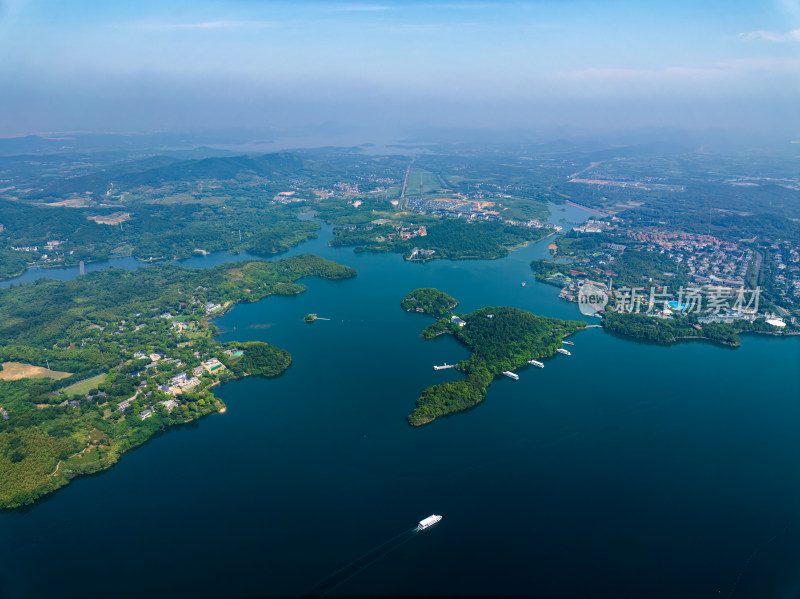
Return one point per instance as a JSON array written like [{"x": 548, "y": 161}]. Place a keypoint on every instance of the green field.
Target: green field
[
  {"x": 524, "y": 209},
  {"x": 189, "y": 198},
  {"x": 83, "y": 387},
  {"x": 430, "y": 182}
]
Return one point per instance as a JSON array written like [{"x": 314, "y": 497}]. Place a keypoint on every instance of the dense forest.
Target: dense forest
[
  {"x": 453, "y": 239},
  {"x": 458, "y": 239},
  {"x": 149, "y": 231},
  {"x": 161, "y": 169},
  {"x": 500, "y": 339},
  {"x": 702, "y": 218},
  {"x": 668, "y": 330},
  {"x": 672, "y": 330},
  {"x": 429, "y": 301}
]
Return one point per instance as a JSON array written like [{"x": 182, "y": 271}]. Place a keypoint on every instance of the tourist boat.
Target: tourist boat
[
  {"x": 561, "y": 350},
  {"x": 428, "y": 522},
  {"x": 536, "y": 363},
  {"x": 511, "y": 375},
  {"x": 567, "y": 343}
]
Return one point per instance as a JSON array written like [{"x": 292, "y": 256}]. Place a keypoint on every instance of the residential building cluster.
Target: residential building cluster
[
  {"x": 784, "y": 268},
  {"x": 420, "y": 254},
  {"x": 708, "y": 259},
  {"x": 169, "y": 365},
  {"x": 593, "y": 226},
  {"x": 210, "y": 307},
  {"x": 346, "y": 187},
  {"x": 287, "y": 197},
  {"x": 457, "y": 206},
  {"x": 536, "y": 224},
  {"x": 403, "y": 233}
]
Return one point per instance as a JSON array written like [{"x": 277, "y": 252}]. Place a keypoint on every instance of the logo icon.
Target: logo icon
[{"x": 591, "y": 299}]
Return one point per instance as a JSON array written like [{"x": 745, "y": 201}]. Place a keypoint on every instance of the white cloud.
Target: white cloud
[
  {"x": 771, "y": 36},
  {"x": 207, "y": 25}
]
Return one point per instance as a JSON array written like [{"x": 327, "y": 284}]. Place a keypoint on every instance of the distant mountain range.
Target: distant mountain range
[
  {"x": 159, "y": 170},
  {"x": 101, "y": 142}
]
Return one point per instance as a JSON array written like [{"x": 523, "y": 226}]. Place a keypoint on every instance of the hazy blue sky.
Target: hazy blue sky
[{"x": 178, "y": 65}]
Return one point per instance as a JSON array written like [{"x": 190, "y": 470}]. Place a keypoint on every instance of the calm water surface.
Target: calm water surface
[{"x": 624, "y": 470}]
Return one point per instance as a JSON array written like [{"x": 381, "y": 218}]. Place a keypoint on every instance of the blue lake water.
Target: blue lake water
[
  {"x": 624, "y": 470},
  {"x": 561, "y": 214},
  {"x": 66, "y": 273}
]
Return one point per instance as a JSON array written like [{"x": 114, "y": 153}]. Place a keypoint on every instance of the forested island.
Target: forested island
[
  {"x": 500, "y": 339},
  {"x": 429, "y": 301},
  {"x": 99, "y": 364},
  {"x": 452, "y": 239}
]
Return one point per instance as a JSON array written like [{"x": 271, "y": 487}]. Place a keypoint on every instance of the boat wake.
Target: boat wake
[{"x": 357, "y": 565}]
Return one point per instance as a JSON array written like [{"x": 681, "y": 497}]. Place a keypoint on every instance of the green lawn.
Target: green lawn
[
  {"x": 430, "y": 182},
  {"x": 83, "y": 387}
]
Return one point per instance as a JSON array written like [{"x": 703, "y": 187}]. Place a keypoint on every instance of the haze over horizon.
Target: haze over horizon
[{"x": 389, "y": 66}]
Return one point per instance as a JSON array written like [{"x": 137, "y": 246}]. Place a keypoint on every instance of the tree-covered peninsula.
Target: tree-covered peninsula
[
  {"x": 450, "y": 239},
  {"x": 99, "y": 364},
  {"x": 428, "y": 301},
  {"x": 667, "y": 331},
  {"x": 500, "y": 339}
]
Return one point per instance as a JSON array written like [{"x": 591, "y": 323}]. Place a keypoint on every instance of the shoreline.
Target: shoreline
[
  {"x": 133, "y": 436},
  {"x": 65, "y": 477}
]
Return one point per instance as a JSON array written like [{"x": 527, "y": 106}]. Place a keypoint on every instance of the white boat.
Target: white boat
[
  {"x": 567, "y": 343},
  {"x": 443, "y": 366},
  {"x": 536, "y": 363},
  {"x": 428, "y": 522},
  {"x": 561, "y": 350},
  {"x": 511, "y": 375}
]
